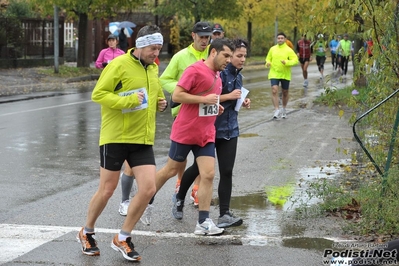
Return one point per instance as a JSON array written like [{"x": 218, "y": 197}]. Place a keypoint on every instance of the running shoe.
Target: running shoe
[
  {"x": 194, "y": 196},
  {"x": 126, "y": 248},
  {"x": 283, "y": 113},
  {"x": 89, "y": 243},
  {"x": 207, "y": 228},
  {"x": 305, "y": 83},
  {"x": 276, "y": 114},
  {"x": 177, "y": 208},
  {"x": 147, "y": 215},
  {"x": 228, "y": 220},
  {"x": 123, "y": 206}
]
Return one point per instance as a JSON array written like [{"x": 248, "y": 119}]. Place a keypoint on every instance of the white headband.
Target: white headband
[{"x": 149, "y": 39}]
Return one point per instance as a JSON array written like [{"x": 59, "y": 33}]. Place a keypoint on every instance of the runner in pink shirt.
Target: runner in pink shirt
[
  {"x": 198, "y": 90},
  {"x": 195, "y": 126}
]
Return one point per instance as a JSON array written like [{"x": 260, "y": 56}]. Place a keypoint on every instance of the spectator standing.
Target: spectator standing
[{"x": 123, "y": 40}]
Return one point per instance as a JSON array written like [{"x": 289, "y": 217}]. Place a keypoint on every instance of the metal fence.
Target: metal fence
[
  {"x": 377, "y": 133},
  {"x": 29, "y": 38}
]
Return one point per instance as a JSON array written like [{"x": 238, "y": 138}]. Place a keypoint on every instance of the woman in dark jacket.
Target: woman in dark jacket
[{"x": 227, "y": 132}]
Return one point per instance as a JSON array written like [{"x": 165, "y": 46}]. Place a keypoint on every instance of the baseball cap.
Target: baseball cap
[
  {"x": 112, "y": 36},
  {"x": 346, "y": 35},
  {"x": 202, "y": 29},
  {"x": 217, "y": 28}
]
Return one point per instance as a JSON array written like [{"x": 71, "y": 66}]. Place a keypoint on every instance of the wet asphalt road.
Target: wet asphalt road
[{"x": 49, "y": 171}]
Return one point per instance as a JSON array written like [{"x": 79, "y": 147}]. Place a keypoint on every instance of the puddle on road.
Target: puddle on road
[
  {"x": 265, "y": 222},
  {"x": 248, "y": 135},
  {"x": 307, "y": 243}
]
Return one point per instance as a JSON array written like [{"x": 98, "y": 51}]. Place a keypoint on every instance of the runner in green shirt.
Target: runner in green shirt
[{"x": 320, "y": 48}]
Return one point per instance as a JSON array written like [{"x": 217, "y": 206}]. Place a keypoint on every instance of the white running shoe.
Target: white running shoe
[
  {"x": 147, "y": 215},
  {"x": 284, "y": 113},
  {"x": 305, "y": 83},
  {"x": 123, "y": 206},
  {"x": 208, "y": 228},
  {"x": 276, "y": 114}
]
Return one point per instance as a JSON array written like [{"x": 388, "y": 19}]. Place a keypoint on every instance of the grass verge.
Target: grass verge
[{"x": 367, "y": 201}]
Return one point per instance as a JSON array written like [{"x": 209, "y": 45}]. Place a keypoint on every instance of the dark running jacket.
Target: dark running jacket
[{"x": 227, "y": 124}]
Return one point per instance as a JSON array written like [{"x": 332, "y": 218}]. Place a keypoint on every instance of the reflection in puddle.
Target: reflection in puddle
[
  {"x": 307, "y": 243},
  {"x": 265, "y": 222},
  {"x": 248, "y": 135}
]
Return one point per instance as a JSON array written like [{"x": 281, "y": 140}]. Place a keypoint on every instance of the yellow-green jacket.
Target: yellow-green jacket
[
  {"x": 125, "y": 73},
  {"x": 179, "y": 62},
  {"x": 344, "y": 47},
  {"x": 276, "y": 54}
]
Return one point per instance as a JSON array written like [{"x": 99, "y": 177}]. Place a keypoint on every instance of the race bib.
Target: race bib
[
  {"x": 208, "y": 109},
  {"x": 143, "y": 105}
]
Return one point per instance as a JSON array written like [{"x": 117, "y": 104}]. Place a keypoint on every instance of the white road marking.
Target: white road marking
[
  {"x": 19, "y": 239},
  {"x": 45, "y": 108}
]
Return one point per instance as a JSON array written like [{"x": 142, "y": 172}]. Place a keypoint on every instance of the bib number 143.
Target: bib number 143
[{"x": 208, "y": 109}]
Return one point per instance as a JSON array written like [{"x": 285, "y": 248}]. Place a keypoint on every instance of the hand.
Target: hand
[
  {"x": 140, "y": 96},
  {"x": 283, "y": 62},
  {"x": 211, "y": 98},
  {"x": 104, "y": 64},
  {"x": 268, "y": 64},
  {"x": 221, "y": 109},
  {"x": 247, "y": 103},
  {"x": 162, "y": 104},
  {"x": 235, "y": 94}
]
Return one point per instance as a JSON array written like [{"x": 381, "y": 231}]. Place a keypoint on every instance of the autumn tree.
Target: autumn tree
[
  {"x": 251, "y": 9},
  {"x": 198, "y": 10}
]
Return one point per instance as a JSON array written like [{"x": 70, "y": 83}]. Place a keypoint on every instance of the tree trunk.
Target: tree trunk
[
  {"x": 358, "y": 43},
  {"x": 249, "y": 37},
  {"x": 83, "y": 56}
]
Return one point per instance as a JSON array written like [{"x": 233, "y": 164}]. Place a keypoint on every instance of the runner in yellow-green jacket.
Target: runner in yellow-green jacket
[
  {"x": 121, "y": 123},
  {"x": 344, "y": 48},
  {"x": 181, "y": 60},
  {"x": 129, "y": 93},
  {"x": 280, "y": 59}
]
